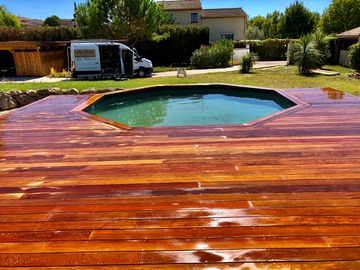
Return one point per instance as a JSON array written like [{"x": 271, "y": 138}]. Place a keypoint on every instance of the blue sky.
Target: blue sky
[{"x": 40, "y": 9}]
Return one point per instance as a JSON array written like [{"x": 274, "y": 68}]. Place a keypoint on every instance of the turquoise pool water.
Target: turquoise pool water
[{"x": 189, "y": 106}]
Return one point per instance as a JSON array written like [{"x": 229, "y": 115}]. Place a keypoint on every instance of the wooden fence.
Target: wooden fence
[
  {"x": 38, "y": 63},
  {"x": 36, "y": 58}
]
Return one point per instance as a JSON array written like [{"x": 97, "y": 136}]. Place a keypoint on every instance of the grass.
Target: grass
[{"x": 279, "y": 77}]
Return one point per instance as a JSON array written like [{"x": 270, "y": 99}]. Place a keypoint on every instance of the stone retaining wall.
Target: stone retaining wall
[{"x": 16, "y": 99}]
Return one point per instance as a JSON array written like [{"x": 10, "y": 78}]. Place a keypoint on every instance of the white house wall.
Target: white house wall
[
  {"x": 217, "y": 26},
  {"x": 182, "y": 17},
  {"x": 220, "y": 26}
]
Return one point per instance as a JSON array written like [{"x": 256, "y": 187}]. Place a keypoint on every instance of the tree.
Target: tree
[
  {"x": 298, "y": 21},
  {"x": 254, "y": 33},
  {"x": 268, "y": 26},
  {"x": 119, "y": 19},
  {"x": 271, "y": 25},
  {"x": 257, "y": 21},
  {"x": 340, "y": 16},
  {"x": 52, "y": 21},
  {"x": 8, "y": 19}
]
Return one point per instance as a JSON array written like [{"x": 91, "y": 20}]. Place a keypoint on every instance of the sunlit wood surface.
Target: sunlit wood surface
[{"x": 76, "y": 193}]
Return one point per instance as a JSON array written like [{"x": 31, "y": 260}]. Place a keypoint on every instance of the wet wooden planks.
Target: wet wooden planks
[{"x": 78, "y": 193}]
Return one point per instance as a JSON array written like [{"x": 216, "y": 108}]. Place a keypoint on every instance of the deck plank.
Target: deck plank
[{"x": 280, "y": 194}]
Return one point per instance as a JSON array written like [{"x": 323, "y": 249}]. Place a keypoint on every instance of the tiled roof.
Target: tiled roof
[
  {"x": 223, "y": 13},
  {"x": 181, "y": 5},
  {"x": 27, "y": 22},
  {"x": 67, "y": 22},
  {"x": 353, "y": 33}
]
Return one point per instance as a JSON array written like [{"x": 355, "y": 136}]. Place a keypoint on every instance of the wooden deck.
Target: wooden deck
[{"x": 285, "y": 194}]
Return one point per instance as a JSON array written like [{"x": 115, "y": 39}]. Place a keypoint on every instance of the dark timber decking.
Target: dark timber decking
[{"x": 284, "y": 194}]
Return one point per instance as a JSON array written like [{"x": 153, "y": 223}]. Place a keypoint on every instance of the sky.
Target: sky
[{"x": 41, "y": 9}]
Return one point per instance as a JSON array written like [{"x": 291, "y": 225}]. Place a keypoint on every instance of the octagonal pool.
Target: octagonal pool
[{"x": 189, "y": 105}]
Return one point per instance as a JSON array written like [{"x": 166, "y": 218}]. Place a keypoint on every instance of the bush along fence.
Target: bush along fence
[
  {"x": 60, "y": 33},
  {"x": 216, "y": 55},
  {"x": 177, "y": 47},
  {"x": 16, "y": 99},
  {"x": 266, "y": 50}
]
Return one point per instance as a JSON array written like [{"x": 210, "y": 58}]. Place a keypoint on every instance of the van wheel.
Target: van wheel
[{"x": 141, "y": 73}]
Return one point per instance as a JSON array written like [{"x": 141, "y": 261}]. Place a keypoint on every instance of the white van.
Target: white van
[{"x": 106, "y": 59}]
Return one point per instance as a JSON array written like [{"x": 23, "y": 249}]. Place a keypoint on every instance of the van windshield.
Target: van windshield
[{"x": 137, "y": 57}]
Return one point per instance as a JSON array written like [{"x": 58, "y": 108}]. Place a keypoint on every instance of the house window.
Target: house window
[
  {"x": 227, "y": 36},
  {"x": 194, "y": 17}
]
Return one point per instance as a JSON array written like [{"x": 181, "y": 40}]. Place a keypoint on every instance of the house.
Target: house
[
  {"x": 28, "y": 22},
  {"x": 68, "y": 22},
  {"x": 345, "y": 40},
  {"x": 227, "y": 23}
]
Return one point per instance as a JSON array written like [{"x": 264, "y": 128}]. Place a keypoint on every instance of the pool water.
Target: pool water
[{"x": 189, "y": 106}]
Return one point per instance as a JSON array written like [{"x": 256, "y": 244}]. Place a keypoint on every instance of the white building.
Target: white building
[{"x": 227, "y": 23}]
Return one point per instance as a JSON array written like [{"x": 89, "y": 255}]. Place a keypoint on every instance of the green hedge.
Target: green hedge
[
  {"x": 269, "y": 49},
  {"x": 354, "y": 56},
  {"x": 61, "y": 33},
  {"x": 177, "y": 48}
]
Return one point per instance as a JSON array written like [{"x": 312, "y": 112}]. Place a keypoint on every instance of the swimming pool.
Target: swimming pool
[{"x": 189, "y": 105}]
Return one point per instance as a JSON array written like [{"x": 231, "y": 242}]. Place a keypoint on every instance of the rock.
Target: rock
[
  {"x": 57, "y": 91},
  {"x": 89, "y": 91},
  {"x": 31, "y": 93},
  {"x": 354, "y": 75},
  {"x": 44, "y": 92},
  {"x": 7, "y": 102},
  {"x": 60, "y": 92},
  {"x": 24, "y": 99},
  {"x": 14, "y": 92},
  {"x": 72, "y": 91},
  {"x": 106, "y": 90},
  {"x": 15, "y": 98}
]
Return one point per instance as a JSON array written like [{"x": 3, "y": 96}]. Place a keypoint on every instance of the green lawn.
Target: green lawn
[{"x": 279, "y": 77}]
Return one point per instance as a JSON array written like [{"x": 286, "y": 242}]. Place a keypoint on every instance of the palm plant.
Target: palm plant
[
  {"x": 247, "y": 62},
  {"x": 306, "y": 54},
  {"x": 321, "y": 41}
]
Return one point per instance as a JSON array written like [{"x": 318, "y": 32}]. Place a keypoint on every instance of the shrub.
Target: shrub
[
  {"x": 311, "y": 51},
  {"x": 306, "y": 54},
  {"x": 322, "y": 44},
  {"x": 213, "y": 56},
  {"x": 52, "y": 72},
  {"x": 61, "y": 33},
  {"x": 268, "y": 49},
  {"x": 177, "y": 48},
  {"x": 255, "y": 33},
  {"x": 354, "y": 56},
  {"x": 247, "y": 62},
  {"x": 200, "y": 57}
]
